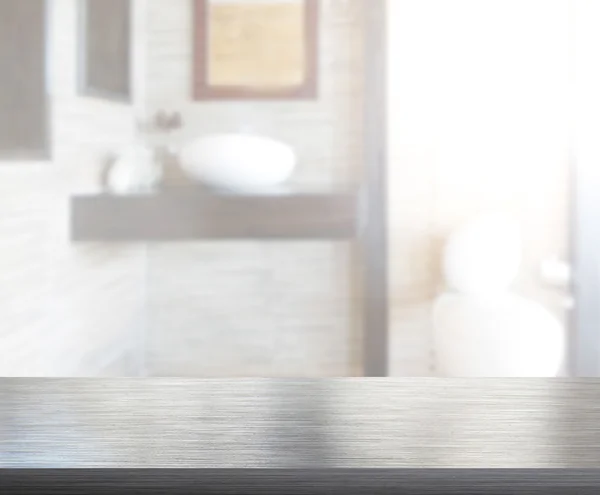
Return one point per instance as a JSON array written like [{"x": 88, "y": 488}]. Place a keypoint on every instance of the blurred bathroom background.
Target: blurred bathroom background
[{"x": 479, "y": 119}]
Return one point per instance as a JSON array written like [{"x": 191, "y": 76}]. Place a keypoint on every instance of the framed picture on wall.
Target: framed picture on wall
[{"x": 255, "y": 49}]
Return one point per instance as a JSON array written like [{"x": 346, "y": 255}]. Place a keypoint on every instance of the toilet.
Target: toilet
[{"x": 481, "y": 328}]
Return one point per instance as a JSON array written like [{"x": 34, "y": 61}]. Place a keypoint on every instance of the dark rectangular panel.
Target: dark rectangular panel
[
  {"x": 107, "y": 32},
  {"x": 23, "y": 100},
  {"x": 190, "y": 215},
  {"x": 303, "y": 481},
  {"x": 374, "y": 235}
]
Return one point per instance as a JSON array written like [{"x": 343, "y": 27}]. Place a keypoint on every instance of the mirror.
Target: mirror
[
  {"x": 24, "y": 125},
  {"x": 106, "y": 59},
  {"x": 48, "y": 64}
]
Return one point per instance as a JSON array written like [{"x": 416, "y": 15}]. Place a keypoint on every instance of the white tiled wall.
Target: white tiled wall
[{"x": 65, "y": 310}]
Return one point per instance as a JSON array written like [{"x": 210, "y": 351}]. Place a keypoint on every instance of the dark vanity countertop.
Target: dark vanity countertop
[{"x": 193, "y": 213}]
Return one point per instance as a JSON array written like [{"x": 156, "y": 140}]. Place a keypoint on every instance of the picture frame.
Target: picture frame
[{"x": 255, "y": 50}]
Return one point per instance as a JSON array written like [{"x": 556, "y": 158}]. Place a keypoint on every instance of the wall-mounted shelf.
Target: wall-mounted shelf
[{"x": 188, "y": 214}]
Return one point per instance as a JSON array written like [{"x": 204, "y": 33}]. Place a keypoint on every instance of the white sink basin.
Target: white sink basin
[{"x": 238, "y": 162}]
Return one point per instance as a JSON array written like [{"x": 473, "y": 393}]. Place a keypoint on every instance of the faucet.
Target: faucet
[{"x": 162, "y": 123}]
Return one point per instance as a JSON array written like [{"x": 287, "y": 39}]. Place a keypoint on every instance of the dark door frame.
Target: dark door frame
[{"x": 373, "y": 235}]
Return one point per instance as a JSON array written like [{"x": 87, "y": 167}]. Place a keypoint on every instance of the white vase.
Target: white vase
[{"x": 135, "y": 171}]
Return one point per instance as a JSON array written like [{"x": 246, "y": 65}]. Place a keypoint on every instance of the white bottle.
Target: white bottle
[{"x": 135, "y": 171}]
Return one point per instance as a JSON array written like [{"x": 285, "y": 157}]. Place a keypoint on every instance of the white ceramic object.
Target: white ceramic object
[
  {"x": 502, "y": 336},
  {"x": 556, "y": 273},
  {"x": 238, "y": 162},
  {"x": 135, "y": 171},
  {"x": 483, "y": 256},
  {"x": 480, "y": 328}
]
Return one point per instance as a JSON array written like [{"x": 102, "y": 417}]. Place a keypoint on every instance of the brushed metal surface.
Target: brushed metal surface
[{"x": 341, "y": 423}]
